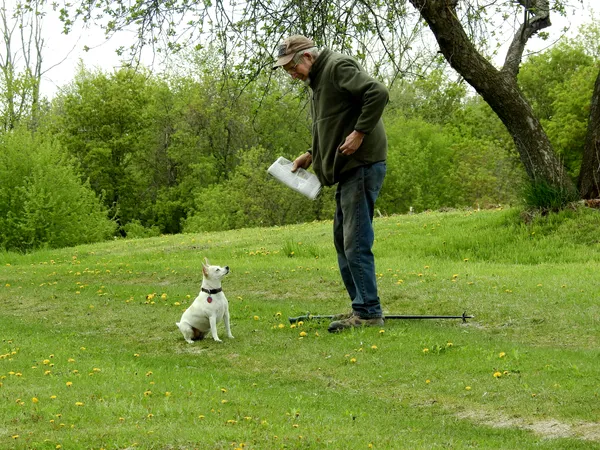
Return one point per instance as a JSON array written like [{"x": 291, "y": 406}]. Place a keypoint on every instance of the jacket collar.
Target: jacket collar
[{"x": 316, "y": 69}]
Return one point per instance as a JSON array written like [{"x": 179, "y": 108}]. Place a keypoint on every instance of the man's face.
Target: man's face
[{"x": 299, "y": 70}]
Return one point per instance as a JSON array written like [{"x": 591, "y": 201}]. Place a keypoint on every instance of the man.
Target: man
[{"x": 349, "y": 148}]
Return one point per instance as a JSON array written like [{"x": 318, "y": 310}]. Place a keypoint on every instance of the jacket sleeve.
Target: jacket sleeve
[{"x": 370, "y": 94}]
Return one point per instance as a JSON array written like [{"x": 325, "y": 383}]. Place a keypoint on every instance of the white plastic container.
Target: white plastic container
[{"x": 301, "y": 181}]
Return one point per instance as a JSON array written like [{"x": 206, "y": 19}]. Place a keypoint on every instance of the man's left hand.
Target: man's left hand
[{"x": 352, "y": 143}]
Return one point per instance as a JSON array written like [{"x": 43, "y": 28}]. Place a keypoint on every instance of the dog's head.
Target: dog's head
[{"x": 214, "y": 273}]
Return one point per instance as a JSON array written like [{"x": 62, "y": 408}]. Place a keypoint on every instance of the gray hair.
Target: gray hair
[{"x": 314, "y": 51}]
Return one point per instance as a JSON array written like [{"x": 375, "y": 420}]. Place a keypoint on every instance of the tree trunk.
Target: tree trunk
[
  {"x": 498, "y": 88},
  {"x": 589, "y": 177}
]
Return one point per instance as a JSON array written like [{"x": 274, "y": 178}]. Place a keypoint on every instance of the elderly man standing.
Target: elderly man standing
[{"x": 349, "y": 148}]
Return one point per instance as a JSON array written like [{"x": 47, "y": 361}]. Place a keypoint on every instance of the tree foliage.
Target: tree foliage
[{"x": 188, "y": 150}]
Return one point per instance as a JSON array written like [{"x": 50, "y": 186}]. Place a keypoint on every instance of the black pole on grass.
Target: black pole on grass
[{"x": 464, "y": 317}]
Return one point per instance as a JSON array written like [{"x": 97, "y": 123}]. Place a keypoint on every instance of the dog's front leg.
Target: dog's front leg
[
  {"x": 213, "y": 327},
  {"x": 227, "y": 326}
]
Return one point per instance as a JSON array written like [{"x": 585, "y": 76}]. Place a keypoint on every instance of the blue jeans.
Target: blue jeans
[{"x": 353, "y": 236}]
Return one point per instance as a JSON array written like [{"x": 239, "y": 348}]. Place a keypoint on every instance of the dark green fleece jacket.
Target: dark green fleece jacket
[{"x": 344, "y": 99}]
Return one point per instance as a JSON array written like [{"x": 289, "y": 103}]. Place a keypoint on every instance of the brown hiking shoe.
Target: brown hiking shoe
[
  {"x": 342, "y": 316},
  {"x": 354, "y": 322}
]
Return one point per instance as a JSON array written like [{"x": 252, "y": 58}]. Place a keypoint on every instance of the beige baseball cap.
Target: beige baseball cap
[{"x": 289, "y": 47}]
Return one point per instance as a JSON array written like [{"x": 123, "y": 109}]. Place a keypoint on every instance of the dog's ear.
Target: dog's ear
[
  {"x": 205, "y": 270},
  {"x": 206, "y": 263}
]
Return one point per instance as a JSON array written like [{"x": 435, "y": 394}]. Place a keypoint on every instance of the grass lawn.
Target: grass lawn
[{"x": 90, "y": 356}]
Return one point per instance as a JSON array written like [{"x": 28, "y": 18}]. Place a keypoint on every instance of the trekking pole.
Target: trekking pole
[{"x": 308, "y": 316}]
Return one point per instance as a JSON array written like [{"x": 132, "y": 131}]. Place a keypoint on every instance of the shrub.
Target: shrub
[
  {"x": 252, "y": 198},
  {"x": 546, "y": 197},
  {"x": 43, "y": 203}
]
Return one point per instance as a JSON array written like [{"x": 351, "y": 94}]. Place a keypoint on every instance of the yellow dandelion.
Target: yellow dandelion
[
  {"x": 147, "y": 393},
  {"x": 303, "y": 334},
  {"x": 201, "y": 416},
  {"x": 163, "y": 296},
  {"x": 224, "y": 401},
  {"x": 381, "y": 331},
  {"x": 497, "y": 374},
  {"x": 95, "y": 369},
  {"x": 79, "y": 403},
  {"x": 53, "y": 397},
  {"x": 501, "y": 355},
  {"x": 69, "y": 383},
  {"x": 47, "y": 372},
  {"x": 46, "y": 362},
  {"x": 281, "y": 326},
  {"x": 425, "y": 350},
  {"x": 35, "y": 400},
  {"x": 150, "y": 416},
  {"x": 352, "y": 360},
  {"x": 256, "y": 317},
  {"x": 148, "y": 374},
  {"x": 373, "y": 347},
  {"x": 300, "y": 323},
  {"x": 427, "y": 381},
  {"x": 167, "y": 394},
  {"x": 467, "y": 388},
  {"x": 223, "y": 390}
]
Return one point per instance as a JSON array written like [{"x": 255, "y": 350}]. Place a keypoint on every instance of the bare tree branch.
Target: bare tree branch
[{"x": 536, "y": 18}]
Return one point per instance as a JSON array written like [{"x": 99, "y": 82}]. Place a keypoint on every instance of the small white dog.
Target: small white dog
[{"x": 208, "y": 308}]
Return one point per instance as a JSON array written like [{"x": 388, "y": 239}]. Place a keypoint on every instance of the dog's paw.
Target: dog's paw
[
  {"x": 231, "y": 336},
  {"x": 189, "y": 341}
]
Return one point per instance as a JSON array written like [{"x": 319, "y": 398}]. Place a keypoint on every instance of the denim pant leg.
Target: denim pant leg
[{"x": 353, "y": 236}]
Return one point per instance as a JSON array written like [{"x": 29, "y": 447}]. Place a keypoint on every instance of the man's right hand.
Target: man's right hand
[{"x": 303, "y": 161}]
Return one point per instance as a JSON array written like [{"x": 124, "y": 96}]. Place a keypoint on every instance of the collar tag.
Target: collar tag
[{"x": 209, "y": 299}]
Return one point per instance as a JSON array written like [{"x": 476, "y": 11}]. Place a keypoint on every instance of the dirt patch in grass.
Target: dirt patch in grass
[{"x": 549, "y": 428}]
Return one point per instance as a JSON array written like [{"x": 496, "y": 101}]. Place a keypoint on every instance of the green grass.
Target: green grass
[{"x": 95, "y": 316}]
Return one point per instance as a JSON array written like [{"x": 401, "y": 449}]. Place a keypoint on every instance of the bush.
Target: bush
[
  {"x": 546, "y": 197},
  {"x": 252, "y": 198},
  {"x": 43, "y": 203},
  {"x": 135, "y": 230}
]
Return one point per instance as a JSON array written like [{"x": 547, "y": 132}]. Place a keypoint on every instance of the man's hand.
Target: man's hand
[
  {"x": 352, "y": 143},
  {"x": 303, "y": 161}
]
